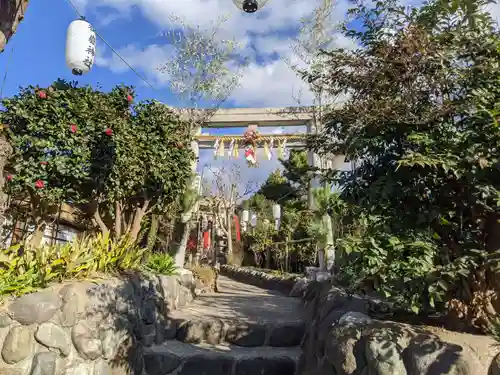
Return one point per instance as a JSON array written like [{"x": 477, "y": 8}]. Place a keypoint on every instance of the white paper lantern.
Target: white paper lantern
[
  {"x": 80, "y": 47},
  {"x": 250, "y": 6},
  {"x": 245, "y": 216},
  {"x": 253, "y": 220},
  {"x": 276, "y": 211}
]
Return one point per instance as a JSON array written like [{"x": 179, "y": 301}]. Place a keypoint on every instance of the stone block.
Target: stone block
[
  {"x": 36, "y": 307},
  {"x": 287, "y": 334},
  {"x": 18, "y": 345},
  {"x": 265, "y": 366},
  {"x": 244, "y": 334},
  {"x": 85, "y": 341},
  {"x": 53, "y": 336},
  {"x": 207, "y": 365},
  {"x": 44, "y": 364},
  {"x": 192, "y": 331},
  {"x": 161, "y": 362}
]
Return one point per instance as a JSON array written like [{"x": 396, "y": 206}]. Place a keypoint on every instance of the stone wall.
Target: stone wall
[
  {"x": 89, "y": 328},
  {"x": 282, "y": 283},
  {"x": 344, "y": 337}
]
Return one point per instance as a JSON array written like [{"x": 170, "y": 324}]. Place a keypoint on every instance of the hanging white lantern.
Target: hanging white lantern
[
  {"x": 80, "y": 47},
  {"x": 276, "y": 211},
  {"x": 253, "y": 220},
  {"x": 250, "y": 6},
  {"x": 277, "y": 215},
  {"x": 245, "y": 216}
]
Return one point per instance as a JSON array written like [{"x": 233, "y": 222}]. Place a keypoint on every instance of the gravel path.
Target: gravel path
[{"x": 246, "y": 303}]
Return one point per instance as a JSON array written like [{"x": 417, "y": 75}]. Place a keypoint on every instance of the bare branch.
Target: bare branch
[
  {"x": 229, "y": 188},
  {"x": 204, "y": 68},
  {"x": 317, "y": 32}
]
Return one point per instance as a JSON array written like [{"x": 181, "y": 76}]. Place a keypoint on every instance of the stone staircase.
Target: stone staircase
[{"x": 242, "y": 330}]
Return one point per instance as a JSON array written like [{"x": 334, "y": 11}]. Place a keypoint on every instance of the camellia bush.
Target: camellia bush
[
  {"x": 91, "y": 148},
  {"x": 148, "y": 167}
]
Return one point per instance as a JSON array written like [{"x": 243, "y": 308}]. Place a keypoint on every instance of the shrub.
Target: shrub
[
  {"x": 494, "y": 329},
  {"x": 161, "y": 263},
  {"x": 205, "y": 274},
  {"x": 24, "y": 269}
]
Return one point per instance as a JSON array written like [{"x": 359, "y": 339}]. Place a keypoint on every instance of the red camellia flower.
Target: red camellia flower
[
  {"x": 44, "y": 162},
  {"x": 73, "y": 128},
  {"x": 9, "y": 177},
  {"x": 108, "y": 132},
  {"x": 130, "y": 98},
  {"x": 39, "y": 184},
  {"x": 42, "y": 94}
]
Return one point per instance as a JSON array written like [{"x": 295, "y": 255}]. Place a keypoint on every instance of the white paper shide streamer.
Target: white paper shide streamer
[
  {"x": 216, "y": 147},
  {"x": 231, "y": 148}
]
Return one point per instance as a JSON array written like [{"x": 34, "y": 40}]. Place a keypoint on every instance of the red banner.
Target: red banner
[
  {"x": 206, "y": 240},
  {"x": 237, "y": 227}
]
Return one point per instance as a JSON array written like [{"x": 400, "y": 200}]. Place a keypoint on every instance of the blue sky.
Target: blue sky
[{"x": 36, "y": 53}]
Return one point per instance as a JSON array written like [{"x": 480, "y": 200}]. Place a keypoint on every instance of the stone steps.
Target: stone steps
[
  {"x": 241, "y": 333},
  {"x": 178, "y": 358}
]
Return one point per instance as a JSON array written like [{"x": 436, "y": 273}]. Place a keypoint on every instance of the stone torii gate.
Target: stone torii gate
[
  {"x": 271, "y": 117},
  {"x": 266, "y": 117}
]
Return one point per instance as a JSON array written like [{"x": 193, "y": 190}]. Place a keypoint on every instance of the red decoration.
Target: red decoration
[
  {"x": 42, "y": 94},
  {"x": 250, "y": 155},
  {"x": 108, "y": 132},
  {"x": 237, "y": 227},
  {"x": 44, "y": 162},
  {"x": 73, "y": 128},
  {"x": 39, "y": 184},
  {"x": 206, "y": 240},
  {"x": 130, "y": 98},
  {"x": 191, "y": 244},
  {"x": 250, "y": 137},
  {"x": 9, "y": 177}
]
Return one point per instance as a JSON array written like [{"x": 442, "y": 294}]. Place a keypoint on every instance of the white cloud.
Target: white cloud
[
  {"x": 146, "y": 60},
  {"x": 267, "y": 81}
]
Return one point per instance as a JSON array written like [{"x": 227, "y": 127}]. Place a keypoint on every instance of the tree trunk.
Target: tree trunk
[
  {"x": 11, "y": 13},
  {"x": 5, "y": 152},
  {"x": 153, "y": 231},
  {"x": 180, "y": 256},
  {"x": 99, "y": 222},
  {"x": 118, "y": 220},
  {"x": 136, "y": 224},
  {"x": 229, "y": 233}
]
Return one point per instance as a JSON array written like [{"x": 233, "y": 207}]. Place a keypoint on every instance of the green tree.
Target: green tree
[
  {"x": 277, "y": 188},
  {"x": 149, "y": 167},
  {"x": 85, "y": 147},
  {"x": 426, "y": 185},
  {"x": 52, "y": 131},
  {"x": 297, "y": 171}
]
